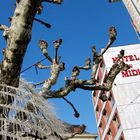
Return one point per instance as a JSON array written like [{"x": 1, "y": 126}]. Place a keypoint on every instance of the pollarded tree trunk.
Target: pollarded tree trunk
[{"x": 18, "y": 36}]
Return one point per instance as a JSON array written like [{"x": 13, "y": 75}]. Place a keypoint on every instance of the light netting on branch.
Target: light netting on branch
[{"x": 27, "y": 116}]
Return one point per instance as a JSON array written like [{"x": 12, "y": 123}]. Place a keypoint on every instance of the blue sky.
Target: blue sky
[{"x": 81, "y": 24}]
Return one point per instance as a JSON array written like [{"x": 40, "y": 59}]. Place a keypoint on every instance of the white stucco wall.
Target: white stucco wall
[{"x": 85, "y": 137}]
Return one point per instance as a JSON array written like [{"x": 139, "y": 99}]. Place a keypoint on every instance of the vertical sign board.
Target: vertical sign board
[
  {"x": 132, "y": 57},
  {"x": 133, "y": 7},
  {"x": 136, "y": 4},
  {"x": 136, "y": 14}
]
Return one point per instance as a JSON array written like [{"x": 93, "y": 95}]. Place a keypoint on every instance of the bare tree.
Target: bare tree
[
  {"x": 74, "y": 82},
  {"x": 18, "y": 36}
]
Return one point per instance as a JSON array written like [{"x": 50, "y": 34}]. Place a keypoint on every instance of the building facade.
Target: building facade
[
  {"x": 118, "y": 118},
  {"x": 85, "y": 136},
  {"x": 133, "y": 8}
]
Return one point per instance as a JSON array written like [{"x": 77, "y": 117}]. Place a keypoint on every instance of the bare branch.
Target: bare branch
[
  {"x": 56, "y": 67},
  {"x": 43, "y": 46},
  {"x": 75, "y": 73},
  {"x": 39, "y": 65},
  {"x": 87, "y": 65},
  {"x": 5, "y": 29},
  {"x": 74, "y": 83},
  {"x": 57, "y": 44},
  {"x": 39, "y": 83},
  {"x": 76, "y": 130},
  {"x": 110, "y": 79},
  {"x": 76, "y": 114},
  {"x": 53, "y": 1},
  {"x": 62, "y": 92},
  {"x": 114, "y": 71},
  {"x": 42, "y": 22},
  {"x": 39, "y": 8},
  {"x": 55, "y": 71},
  {"x": 112, "y": 38},
  {"x": 97, "y": 59},
  {"x": 71, "y": 84}
]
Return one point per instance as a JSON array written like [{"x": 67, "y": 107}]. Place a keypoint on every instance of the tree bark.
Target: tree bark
[{"x": 18, "y": 38}]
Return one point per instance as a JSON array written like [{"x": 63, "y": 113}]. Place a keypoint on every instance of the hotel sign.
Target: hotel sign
[
  {"x": 131, "y": 57},
  {"x": 130, "y": 72}
]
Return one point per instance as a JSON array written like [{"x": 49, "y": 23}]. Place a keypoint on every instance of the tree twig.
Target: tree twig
[
  {"x": 53, "y": 1},
  {"x": 43, "y": 46},
  {"x": 42, "y": 22},
  {"x": 76, "y": 114}
]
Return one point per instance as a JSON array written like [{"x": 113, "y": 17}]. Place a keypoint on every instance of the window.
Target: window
[
  {"x": 100, "y": 125},
  {"x": 121, "y": 138},
  {"x": 94, "y": 93},
  {"x": 97, "y": 108},
  {"x": 102, "y": 66},
  {"x": 98, "y": 80},
  {"x": 105, "y": 77},
  {"x": 103, "y": 96},
  {"x": 116, "y": 121},
  {"x": 109, "y": 133},
  {"x": 100, "y": 128},
  {"x": 111, "y": 99},
  {"x": 105, "y": 114}
]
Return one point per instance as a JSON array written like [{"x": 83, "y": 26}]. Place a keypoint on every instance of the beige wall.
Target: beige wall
[
  {"x": 133, "y": 7},
  {"x": 85, "y": 137}
]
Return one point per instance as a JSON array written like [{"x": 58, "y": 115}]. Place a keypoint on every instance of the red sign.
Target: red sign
[
  {"x": 127, "y": 58},
  {"x": 130, "y": 72}
]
